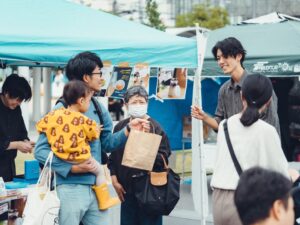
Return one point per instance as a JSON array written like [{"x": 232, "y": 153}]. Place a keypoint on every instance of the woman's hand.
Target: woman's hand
[
  {"x": 140, "y": 124},
  {"x": 119, "y": 188}
]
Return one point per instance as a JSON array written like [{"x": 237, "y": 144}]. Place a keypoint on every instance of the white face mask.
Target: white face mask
[{"x": 137, "y": 111}]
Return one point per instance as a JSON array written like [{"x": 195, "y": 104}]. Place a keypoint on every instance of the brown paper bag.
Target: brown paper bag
[{"x": 141, "y": 150}]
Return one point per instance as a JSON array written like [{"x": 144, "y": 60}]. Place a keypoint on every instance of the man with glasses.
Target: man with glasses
[{"x": 74, "y": 182}]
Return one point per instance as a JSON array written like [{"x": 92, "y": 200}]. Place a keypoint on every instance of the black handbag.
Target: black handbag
[{"x": 157, "y": 193}]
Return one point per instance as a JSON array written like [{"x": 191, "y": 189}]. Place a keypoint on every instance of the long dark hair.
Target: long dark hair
[{"x": 257, "y": 91}]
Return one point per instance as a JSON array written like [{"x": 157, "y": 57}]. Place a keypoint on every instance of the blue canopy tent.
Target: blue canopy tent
[
  {"x": 48, "y": 33},
  {"x": 44, "y": 33}
]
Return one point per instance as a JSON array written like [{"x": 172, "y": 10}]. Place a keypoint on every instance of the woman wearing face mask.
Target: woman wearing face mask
[{"x": 136, "y": 101}]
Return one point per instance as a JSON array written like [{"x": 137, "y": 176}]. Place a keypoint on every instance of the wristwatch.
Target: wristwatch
[{"x": 128, "y": 128}]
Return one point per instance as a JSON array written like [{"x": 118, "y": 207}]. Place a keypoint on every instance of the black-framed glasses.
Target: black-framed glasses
[{"x": 100, "y": 74}]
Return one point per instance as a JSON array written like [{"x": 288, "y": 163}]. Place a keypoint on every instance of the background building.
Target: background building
[{"x": 238, "y": 9}]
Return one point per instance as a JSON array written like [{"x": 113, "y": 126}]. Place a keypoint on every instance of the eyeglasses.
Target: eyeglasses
[{"x": 100, "y": 74}]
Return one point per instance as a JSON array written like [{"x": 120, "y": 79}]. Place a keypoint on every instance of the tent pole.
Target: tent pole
[
  {"x": 47, "y": 89},
  {"x": 24, "y": 72},
  {"x": 199, "y": 180},
  {"x": 36, "y": 115}
]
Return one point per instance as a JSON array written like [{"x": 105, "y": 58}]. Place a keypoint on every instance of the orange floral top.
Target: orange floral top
[{"x": 68, "y": 134}]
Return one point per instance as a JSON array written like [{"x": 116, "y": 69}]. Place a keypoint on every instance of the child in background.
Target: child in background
[{"x": 69, "y": 131}]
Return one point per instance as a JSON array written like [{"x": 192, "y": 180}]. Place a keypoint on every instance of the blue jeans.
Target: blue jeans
[
  {"x": 131, "y": 214},
  {"x": 78, "y": 203}
]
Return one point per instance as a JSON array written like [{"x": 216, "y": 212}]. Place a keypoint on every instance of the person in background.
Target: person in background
[
  {"x": 13, "y": 133},
  {"x": 263, "y": 197},
  {"x": 79, "y": 203},
  {"x": 254, "y": 143},
  {"x": 136, "y": 101},
  {"x": 230, "y": 55},
  {"x": 58, "y": 84}
]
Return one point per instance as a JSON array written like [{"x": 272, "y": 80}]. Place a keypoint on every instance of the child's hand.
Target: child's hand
[{"x": 99, "y": 128}]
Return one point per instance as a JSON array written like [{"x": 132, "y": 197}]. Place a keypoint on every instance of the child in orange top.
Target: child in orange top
[{"x": 69, "y": 132}]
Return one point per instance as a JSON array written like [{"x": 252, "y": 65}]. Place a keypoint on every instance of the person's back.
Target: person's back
[{"x": 256, "y": 145}]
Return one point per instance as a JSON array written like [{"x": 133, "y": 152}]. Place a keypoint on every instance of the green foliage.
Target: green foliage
[
  {"x": 153, "y": 15},
  {"x": 205, "y": 15}
]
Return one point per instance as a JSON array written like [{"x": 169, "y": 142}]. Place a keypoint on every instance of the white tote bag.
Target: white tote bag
[{"x": 42, "y": 206}]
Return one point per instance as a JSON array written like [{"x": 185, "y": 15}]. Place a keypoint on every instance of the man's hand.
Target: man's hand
[
  {"x": 25, "y": 146},
  {"x": 119, "y": 188},
  {"x": 90, "y": 165},
  {"x": 198, "y": 113}
]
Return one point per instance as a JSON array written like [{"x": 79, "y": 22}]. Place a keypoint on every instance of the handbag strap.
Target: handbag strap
[
  {"x": 165, "y": 163},
  {"x": 98, "y": 110},
  {"x": 232, "y": 154}
]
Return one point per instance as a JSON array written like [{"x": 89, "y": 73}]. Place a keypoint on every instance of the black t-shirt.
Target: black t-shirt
[{"x": 12, "y": 128}]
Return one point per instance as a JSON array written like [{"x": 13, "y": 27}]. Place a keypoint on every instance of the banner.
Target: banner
[
  {"x": 106, "y": 70},
  {"x": 140, "y": 76},
  {"x": 118, "y": 82},
  {"x": 171, "y": 83}
]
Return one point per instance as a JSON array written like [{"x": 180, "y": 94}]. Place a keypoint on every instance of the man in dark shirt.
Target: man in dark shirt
[
  {"x": 13, "y": 133},
  {"x": 230, "y": 55}
]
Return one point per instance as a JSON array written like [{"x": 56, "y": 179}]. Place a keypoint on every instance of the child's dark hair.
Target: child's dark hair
[
  {"x": 230, "y": 47},
  {"x": 74, "y": 90},
  {"x": 17, "y": 87},
  {"x": 257, "y": 91}
]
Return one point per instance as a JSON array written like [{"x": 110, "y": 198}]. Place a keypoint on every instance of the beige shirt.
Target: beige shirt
[{"x": 257, "y": 145}]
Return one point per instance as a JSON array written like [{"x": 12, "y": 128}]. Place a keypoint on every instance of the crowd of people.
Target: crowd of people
[{"x": 251, "y": 181}]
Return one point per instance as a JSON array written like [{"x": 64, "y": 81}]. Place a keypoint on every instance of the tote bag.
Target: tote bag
[
  {"x": 141, "y": 149},
  {"x": 42, "y": 206}
]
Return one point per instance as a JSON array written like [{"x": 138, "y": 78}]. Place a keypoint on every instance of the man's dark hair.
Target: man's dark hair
[
  {"x": 230, "y": 47},
  {"x": 17, "y": 87},
  {"x": 257, "y": 191},
  {"x": 74, "y": 90},
  {"x": 135, "y": 90},
  {"x": 81, "y": 64}
]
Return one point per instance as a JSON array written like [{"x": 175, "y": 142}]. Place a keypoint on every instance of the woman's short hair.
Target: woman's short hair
[
  {"x": 17, "y": 87},
  {"x": 74, "y": 90},
  {"x": 135, "y": 90}
]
